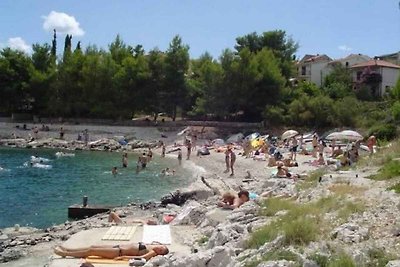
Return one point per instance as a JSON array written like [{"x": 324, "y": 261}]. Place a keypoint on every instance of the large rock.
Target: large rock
[
  {"x": 395, "y": 263},
  {"x": 12, "y": 254},
  {"x": 350, "y": 233},
  {"x": 192, "y": 213}
]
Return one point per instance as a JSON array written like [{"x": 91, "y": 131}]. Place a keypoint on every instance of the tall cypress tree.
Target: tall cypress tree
[{"x": 54, "y": 45}]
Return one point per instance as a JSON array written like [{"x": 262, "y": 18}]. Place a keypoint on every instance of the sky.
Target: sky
[{"x": 333, "y": 27}]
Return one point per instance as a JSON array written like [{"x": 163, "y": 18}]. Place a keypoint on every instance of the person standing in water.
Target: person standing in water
[
  {"x": 180, "y": 156},
  {"x": 61, "y": 133},
  {"x": 114, "y": 171},
  {"x": 163, "y": 150},
  {"x": 149, "y": 155},
  {"x": 125, "y": 160}
]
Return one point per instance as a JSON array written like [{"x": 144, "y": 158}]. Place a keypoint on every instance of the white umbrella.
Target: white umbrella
[
  {"x": 183, "y": 131},
  {"x": 236, "y": 138},
  {"x": 218, "y": 142},
  {"x": 345, "y": 135},
  {"x": 288, "y": 134},
  {"x": 252, "y": 136},
  {"x": 352, "y": 135},
  {"x": 334, "y": 136}
]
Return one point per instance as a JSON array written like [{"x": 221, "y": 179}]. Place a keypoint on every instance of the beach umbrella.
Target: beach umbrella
[
  {"x": 252, "y": 136},
  {"x": 218, "y": 142},
  {"x": 352, "y": 135},
  {"x": 183, "y": 131},
  {"x": 334, "y": 136},
  {"x": 288, "y": 134},
  {"x": 345, "y": 135},
  {"x": 236, "y": 138}
]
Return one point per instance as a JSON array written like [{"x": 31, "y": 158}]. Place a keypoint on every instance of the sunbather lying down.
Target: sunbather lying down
[
  {"x": 116, "y": 252},
  {"x": 114, "y": 217}
]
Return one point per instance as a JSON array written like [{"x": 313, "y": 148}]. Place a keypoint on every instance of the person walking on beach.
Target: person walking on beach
[
  {"x": 315, "y": 145},
  {"x": 163, "y": 150},
  {"x": 227, "y": 160},
  {"x": 293, "y": 149},
  {"x": 194, "y": 141},
  {"x": 232, "y": 161},
  {"x": 61, "y": 133},
  {"x": 125, "y": 160},
  {"x": 371, "y": 142},
  {"x": 189, "y": 149},
  {"x": 86, "y": 136},
  {"x": 180, "y": 156}
]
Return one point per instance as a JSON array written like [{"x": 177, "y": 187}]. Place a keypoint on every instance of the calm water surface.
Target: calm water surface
[{"x": 39, "y": 197}]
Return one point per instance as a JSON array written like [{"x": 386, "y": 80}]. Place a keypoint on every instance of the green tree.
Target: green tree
[
  {"x": 176, "y": 66},
  {"x": 282, "y": 46},
  {"x": 15, "y": 75},
  {"x": 42, "y": 77}
]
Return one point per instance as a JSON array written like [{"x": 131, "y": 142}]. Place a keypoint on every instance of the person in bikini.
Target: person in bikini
[{"x": 116, "y": 252}]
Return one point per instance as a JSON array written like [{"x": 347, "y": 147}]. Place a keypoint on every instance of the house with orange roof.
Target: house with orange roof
[
  {"x": 310, "y": 67},
  {"x": 377, "y": 75}
]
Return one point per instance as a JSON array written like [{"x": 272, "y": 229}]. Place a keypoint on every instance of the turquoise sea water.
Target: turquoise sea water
[{"x": 39, "y": 197}]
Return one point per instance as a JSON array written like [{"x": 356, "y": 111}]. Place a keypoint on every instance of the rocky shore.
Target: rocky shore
[{"x": 357, "y": 218}]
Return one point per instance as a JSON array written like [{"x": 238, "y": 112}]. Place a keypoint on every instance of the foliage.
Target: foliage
[
  {"x": 396, "y": 110},
  {"x": 250, "y": 83},
  {"x": 341, "y": 260},
  {"x": 378, "y": 258},
  {"x": 384, "y": 131},
  {"x": 319, "y": 259},
  {"x": 389, "y": 170},
  {"x": 395, "y": 187}
]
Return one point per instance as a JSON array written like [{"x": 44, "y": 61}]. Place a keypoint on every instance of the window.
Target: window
[
  {"x": 347, "y": 64},
  {"x": 303, "y": 70},
  {"x": 359, "y": 73}
]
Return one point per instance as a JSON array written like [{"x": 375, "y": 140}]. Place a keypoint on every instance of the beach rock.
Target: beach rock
[
  {"x": 191, "y": 213},
  {"x": 12, "y": 254},
  {"x": 395, "y": 263},
  {"x": 281, "y": 263},
  {"x": 350, "y": 233}
]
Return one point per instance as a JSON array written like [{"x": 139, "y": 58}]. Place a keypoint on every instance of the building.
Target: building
[
  {"x": 310, "y": 67},
  {"x": 346, "y": 62},
  {"x": 392, "y": 58},
  {"x": 379, "y": 75}
]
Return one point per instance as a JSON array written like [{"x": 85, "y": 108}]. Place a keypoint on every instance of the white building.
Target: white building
[
  {"x": 310, "y": 68},
  {"x": 346, "y": 62},
  {"x": 379, "y": 75}
]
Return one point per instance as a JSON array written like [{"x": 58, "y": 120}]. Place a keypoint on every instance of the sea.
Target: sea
[{"x": 38, "y": 195}]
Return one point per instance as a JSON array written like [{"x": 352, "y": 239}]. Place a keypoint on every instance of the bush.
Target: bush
[
  {"x": 395, "y": 187},
  {"x": 300, "y": 231},
  {"x": 342, "y": 260},
  {"x": 389, "y": 170},
  {"x": 273, "y": 205},
  {"x": 396, "y": 110},
  {"x": 384, "y": 131}
]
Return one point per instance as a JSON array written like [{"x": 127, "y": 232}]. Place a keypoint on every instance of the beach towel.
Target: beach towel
[
  {"x": 99, "y": 260},
  {"x": 123, "y": 233},
  {"x": 157, "y": 233}
]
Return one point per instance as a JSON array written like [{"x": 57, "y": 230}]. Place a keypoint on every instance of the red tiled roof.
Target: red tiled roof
[{"x": 378, "y": 63}]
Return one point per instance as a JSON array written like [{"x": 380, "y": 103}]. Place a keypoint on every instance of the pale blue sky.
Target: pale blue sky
[{"x": 334, "y": 27}]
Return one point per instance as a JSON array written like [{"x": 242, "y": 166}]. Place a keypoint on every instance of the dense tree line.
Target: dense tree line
[
  {"x": 125, "y": 80},
  {"x": 251, "y": 83}
]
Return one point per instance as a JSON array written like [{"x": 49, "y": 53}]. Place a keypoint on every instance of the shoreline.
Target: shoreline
[{"x": 220, "y": 237}]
